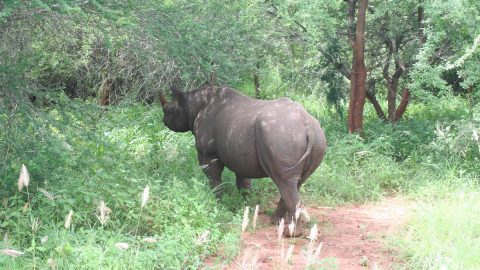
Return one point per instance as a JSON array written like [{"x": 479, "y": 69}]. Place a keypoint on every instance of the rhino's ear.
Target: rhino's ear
[{"x": 177, "y": 93}]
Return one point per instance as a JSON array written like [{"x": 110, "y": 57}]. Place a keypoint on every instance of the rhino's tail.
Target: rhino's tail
[{"x": 315, "y": 151}]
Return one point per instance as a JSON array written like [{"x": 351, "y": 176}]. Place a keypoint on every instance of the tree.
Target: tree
[
  {"x": 358, "y": 73},
  {"x": 410, "y": 46},
  {"x": 397, "y": 27},
  {"x": 451, "y": 41}
]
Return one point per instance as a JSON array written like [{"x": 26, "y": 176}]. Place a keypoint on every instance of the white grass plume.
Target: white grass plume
[
  {"x": 122, "y": 246},
  {"x": 47, "y": 194},
  {"x": 305, "y": 214},
  {"x": 24, "y": 179},
  {"x": 245, "y": 219},
  {"x": 52, "y": 263},
  {"x": 311, "y": 253},
  {"x": 149, "y": 240},
  {"x": 249, "y": 260},
  {"x": 203, "y": 238},
  {"x": 255, "y": 217},
  {"x": 280, "y": 228},
  {"x": 291, "y": 227},
  {"x": 11, "y": 252},
  {"x": 313, "y": 233},
  {"x": 103, "y": 212},
  {"x": 288, "y": 255},
  {"x": 298, "y": 210},
  {"x": 68, "y": 219},
  {"x": 145, "y": 195}
]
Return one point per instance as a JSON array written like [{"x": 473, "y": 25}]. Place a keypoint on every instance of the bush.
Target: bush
[{"x": 81, "y": 155}]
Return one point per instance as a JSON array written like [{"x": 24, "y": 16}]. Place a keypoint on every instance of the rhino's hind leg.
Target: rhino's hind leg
[
  {"x": 288, "y": 204},
  {"x": 279, "y": 212}
]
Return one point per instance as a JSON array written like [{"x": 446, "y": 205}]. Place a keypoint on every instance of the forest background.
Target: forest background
[{"x": 395, "y": 85}]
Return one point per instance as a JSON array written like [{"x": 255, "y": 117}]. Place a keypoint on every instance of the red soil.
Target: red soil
[{"x": 352, "y": 238}]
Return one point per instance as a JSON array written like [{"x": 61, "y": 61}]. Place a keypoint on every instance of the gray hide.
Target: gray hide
[{"x": 253, "y": 138}]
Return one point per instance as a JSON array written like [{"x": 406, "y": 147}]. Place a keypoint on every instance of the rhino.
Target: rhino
[{"x": 251, "y": 137}]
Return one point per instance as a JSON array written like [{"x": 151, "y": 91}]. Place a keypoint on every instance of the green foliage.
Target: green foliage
[
  {"x": 394, "y": 158},
  {"x": 353, "y": 171},
  {"x": 450, "y": 34}
]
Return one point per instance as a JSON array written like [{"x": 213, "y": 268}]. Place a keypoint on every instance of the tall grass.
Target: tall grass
[
  {"x": 85, "y": 156},
  {"x": 444, "y": 233}
]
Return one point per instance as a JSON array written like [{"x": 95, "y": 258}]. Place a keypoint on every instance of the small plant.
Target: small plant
[
  {"x": 287, "y": 256},
  {"x": 103, "y": 213},
  {"x": 202, "y": 239},
  {"x": 311, "y": 253},
  {"x": 249, "y": 260}
]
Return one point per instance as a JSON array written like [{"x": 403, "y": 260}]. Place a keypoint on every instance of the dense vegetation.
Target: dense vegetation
[{"x": 79, "y": 89}]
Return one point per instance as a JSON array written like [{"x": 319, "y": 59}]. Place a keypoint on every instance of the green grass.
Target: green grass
[
  {"x": 86, "y": 155},
  {"x": 443, "y": 232}
]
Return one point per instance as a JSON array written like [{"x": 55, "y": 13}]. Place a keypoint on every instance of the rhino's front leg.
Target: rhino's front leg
[
  {"x": 213, "y": 170},
  {"x": 243, "y": 185}
]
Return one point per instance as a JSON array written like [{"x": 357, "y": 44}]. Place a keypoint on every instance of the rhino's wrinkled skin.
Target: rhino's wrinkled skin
[{"x": 253, "y": 138}]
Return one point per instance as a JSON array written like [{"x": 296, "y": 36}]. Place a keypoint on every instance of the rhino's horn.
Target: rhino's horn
[
  {"x": 163, "y": 100},
  {"x": 177, "y": 94},
  {"x": 174, "y": 89}
]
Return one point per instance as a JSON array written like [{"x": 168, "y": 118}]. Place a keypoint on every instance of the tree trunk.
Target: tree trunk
[
  {"x": 403, "y": 105},
  {"x": 391, "y": 82},
  {"x": 376, "y": 105},
  {"x": 256, "y": 82},
  {"x": 391, "y": 100},
  {"x": 358, "y": 74}
]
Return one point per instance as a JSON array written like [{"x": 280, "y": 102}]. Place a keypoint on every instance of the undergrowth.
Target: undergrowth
[{"x": 79, "y": 154}]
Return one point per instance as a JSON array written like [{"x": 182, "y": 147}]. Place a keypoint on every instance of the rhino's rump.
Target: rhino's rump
[{"x": 254, "y": 139}]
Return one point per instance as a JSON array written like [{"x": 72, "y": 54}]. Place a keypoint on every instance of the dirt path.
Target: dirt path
[{"x": 352, "y": 239}]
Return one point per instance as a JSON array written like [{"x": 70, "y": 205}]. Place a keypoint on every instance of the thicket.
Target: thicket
[{"x": 61, "y": 60}]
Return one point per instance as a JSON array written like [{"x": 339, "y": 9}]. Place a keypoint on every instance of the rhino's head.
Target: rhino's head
[{"x": 175, "y": 112}]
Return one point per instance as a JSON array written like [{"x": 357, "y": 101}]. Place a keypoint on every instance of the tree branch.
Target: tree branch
[
  {"x": 403, "y": 105},
  {"x": 378, "y": 109},
  {"x": 301, "y": 26},
  {"x": 420, "y": 17},
  {"x": 340, "y": 67}
]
